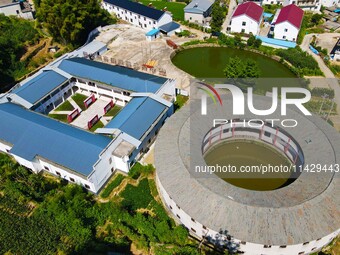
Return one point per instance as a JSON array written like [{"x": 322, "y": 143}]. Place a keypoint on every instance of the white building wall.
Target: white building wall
[
  {"x": 5, "y": 147},
  {"x": 194, "y": 17},
  {"x": 329, "y": 3},
  {"x": 14, "y": 9},
  {"x": 197, "y": 229},
  {"x": 136, "y": 19},
  {"x": 313, "y": 6},
  {"x": 286, "y": 31},
  {"x": 64, "y": 174},
  {"x": 251, "y": 26}
]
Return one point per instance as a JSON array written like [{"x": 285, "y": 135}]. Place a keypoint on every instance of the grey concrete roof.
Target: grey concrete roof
[{"x": 306, "y": 210}]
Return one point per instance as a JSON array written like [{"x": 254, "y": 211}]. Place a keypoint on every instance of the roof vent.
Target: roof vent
[{"x": 196, "y": 5}]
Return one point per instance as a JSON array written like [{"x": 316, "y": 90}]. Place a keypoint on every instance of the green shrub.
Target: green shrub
[
  {"x": 137, "y": 197},
  {"x": 112, "y": 185}
]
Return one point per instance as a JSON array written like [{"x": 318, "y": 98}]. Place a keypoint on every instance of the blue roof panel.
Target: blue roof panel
[
  {"x": 33, "y": 134},
  {"x": 37, "y": 88},
  {"x": 136, "y": 118},
  {"x": 282, "y": 43},
  {"x": 152, "y": 32},
  {"x": 169, "y": 27},
  {"x": 137, "y": 8},
  {"x": 116, "y": 76}
]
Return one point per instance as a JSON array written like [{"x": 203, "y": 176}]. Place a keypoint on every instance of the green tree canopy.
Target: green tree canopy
[
  {"x": 70, "y": 21},
  {"x": 239, "y": 69},
  {"x": 217, "y": 17}
]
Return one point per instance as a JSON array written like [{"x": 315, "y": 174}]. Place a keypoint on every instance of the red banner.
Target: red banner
[
  {"x": 92, "y": 122},
  {"x": 108, "y": 107},
  {"x": 90, "y": 100},
  {"x": 73, "y": 115}
]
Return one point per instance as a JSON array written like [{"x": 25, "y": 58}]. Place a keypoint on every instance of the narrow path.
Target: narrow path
[
  {"x": 231, "y": 8},
  {"x": 331, "y": 80}
]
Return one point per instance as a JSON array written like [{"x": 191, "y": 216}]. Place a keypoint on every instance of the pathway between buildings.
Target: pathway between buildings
[
  {"x": 331, "y": 80},
  {"x": 231, "y": 8}
]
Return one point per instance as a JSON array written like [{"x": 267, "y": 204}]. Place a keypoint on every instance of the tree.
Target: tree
[
  {"x": 238, "y": 69},
  {"x": 257, "y": 43},
  {"x": 251, "y": 40},
  {"x": 69, "y": 22},
  {"x": 217, "y": 17},
  {"x": 316, "y": 18}
]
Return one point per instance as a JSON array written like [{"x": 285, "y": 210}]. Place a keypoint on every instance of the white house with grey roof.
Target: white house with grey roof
[
  {"x": 141, "y": 16},
  {"x": 198, "y": 11}
]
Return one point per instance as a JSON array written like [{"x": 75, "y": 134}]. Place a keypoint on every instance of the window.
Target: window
[
  {"x": 286, "y": 30},
  {"x": 283, "y": 246},
  {"x": 72, "y": 180},
  {"x": 204, "y": 227},
  {"x": 318, "y": 239},
  {"x": 284, "y": 37},
  {"x": 131, "y": 20},
  {"x": 243, "y": 242},
  {"x": 46, "y": 168},
  {"x": 244, "y": 23},
  {"x": 17, "y": 12},
  {"x": 170, "y": 207},
  {"x": 193, "y": 220},
  {"x": 144, "y": 18},
  {"x": 144, "y": 25},
  {"x": 305, "y": 243},
  {"x": 110, "y": 161},
  {"x": 193, "y": 230},
  {"x": 242, "y": 30},
  {"x": 87, "y": 186},
  {"x": 314, "y": 249},
  {"x": 301, "y": 253},
  {"x": 59, "y": 174},
  {"x": 190, "y": 18},
  {"x": 7, "y": 151},
  {"x": 149, "y": 22},
  {"x": 267, "y": 246},
  {"x": 178, "y": 216},
  {"x": 125, "y": 11},
  {"x": 112, "y": 170},
  {"x": 154, "y": 22},
  {"x": 178, "y": 206}
]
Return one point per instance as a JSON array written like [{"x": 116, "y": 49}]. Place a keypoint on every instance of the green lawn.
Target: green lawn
[
  {"x": 61, "y": 117},
  {"x": 66, "y": 106},
  {"x": 79, "y": 99},
  {"x": 114, "y": 111},
  {"x": 180, "y": 101},
  {"x": 177, "y": 9}
]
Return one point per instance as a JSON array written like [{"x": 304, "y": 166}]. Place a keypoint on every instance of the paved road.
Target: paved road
[
  {"x": 331, "y": 80},
  {"x": 231, "y": 8}
]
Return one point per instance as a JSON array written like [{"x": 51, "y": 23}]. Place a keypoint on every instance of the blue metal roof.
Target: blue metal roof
[
  {"x": 33, "y": 134},
  {"x": 137, "y": 117},
  {"x": 117, "y": 76},
  {"x": 37, "y": 88},
  {"x": 152, "y": 32},
  {"x": 169, "y": 27},
  {"x": 137, "y": 8},
  {"x": 267, "y": 14},
  {"x": 282, "y": 43}
]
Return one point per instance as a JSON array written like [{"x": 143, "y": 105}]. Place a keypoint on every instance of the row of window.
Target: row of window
[
  {"x": 59, "y": 174},
  {"x": 125, "y": 11}
]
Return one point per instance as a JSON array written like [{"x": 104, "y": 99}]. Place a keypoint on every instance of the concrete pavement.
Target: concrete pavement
[
  {"x": 331, "y": 80},
  {"x": 231, "y": 8}
]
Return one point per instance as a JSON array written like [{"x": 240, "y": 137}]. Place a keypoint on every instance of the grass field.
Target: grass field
[
  {"x": 99, "y": 124},
  {"x": 177, "y": 9},
  {"x": 114, "y": 111},
  {"x": 61, "y": 117},
  {"x": 79, "y": 99},
  {"x": 66, "y": 106}
]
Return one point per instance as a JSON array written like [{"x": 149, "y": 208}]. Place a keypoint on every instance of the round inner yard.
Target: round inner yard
[{"x": 246, "y": 153}]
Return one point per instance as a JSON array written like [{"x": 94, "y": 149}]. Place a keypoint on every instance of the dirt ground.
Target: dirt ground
[
  {"x": 327, "y": 41},
  {"x": 128, "y": 47}
]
